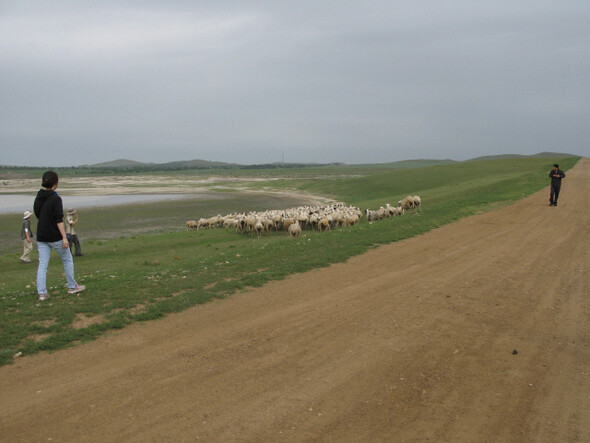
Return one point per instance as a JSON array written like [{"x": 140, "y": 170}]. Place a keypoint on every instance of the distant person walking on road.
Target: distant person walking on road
[
  {"x": 51, "y": 234},
  {"x": 556, "y": 175},
  {"x": 71, "y": 220},
  {"x": 26, "y": 235}
]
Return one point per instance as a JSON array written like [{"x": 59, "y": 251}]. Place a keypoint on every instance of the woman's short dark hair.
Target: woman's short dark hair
[{"x": 49, "y": 179}]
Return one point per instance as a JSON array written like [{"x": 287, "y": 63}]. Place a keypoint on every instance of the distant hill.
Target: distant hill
[
  {"x": 419, "y": 163},
  {"x": 205, "y": 164},
  {"x": 407, "y": 164},
  {"x": 182, "y": 164},
  {"x": 128, "y": 166},
  {"x": 131, "y": 165},
  {"x": 120, "y": 163},
  {"x": 510, "y": 156},
  {"x": 196, "y": 164},
  {"x": 553, "y": 155}
]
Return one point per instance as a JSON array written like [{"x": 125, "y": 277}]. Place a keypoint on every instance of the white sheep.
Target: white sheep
[
  {"x": 339, "y": 218},
  {"x": 259, "y": 228},
  {"x": 353, "y": 218},
  {"x": 250, "y": 223},
  {"x": 371, "y": 215},
  {"x": 336, "y": 214},
  {"x": 241, "y": 225},
  {"x": 202, "y": 223},
  {"x": 303, "y": 219},
  {"x": 277, "y": 219},
  {"x": 418, "y": 203},
  {"x": 314, "y": 218},
  {"x": 294, "y": 230},
  {"x": 230, "y": 222},
  {"x": 267, "y": 223},
  {"x": 407, "y": 203}
]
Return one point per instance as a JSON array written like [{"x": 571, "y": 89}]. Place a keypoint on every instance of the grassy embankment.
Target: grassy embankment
[{"x": 143, "y": 277}]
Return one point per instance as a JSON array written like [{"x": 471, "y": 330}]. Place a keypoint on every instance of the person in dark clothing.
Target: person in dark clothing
[
  {"x": 48, "y": 208},
  {"x": 556, "y": 175}
]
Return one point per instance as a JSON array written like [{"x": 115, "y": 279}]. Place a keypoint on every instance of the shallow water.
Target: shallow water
[{"x": 15, "y": 203}]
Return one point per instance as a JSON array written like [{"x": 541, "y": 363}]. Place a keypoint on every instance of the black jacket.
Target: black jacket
[
  {"x": 49, "y": 210},
  {"x": 556, "y": 181}
]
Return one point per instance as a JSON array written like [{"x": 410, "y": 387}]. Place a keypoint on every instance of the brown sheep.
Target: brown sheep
[
  {"x": 191, "y": 224},
  {"x": 323, "y": 225}
]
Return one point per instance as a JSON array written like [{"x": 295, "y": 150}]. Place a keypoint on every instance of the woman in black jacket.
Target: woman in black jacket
[{"x": 51, "y": 234}]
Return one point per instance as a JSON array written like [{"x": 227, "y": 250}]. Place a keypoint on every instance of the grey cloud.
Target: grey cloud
[{"x": 320, "y": 81}]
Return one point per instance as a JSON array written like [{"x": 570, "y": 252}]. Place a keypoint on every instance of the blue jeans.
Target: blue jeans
[{"x": 66, "y": 258}]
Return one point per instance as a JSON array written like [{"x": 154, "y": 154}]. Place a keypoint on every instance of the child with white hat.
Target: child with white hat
[
  {"x": 26, "y": 235},
  {"x": 69, "y": 222}
]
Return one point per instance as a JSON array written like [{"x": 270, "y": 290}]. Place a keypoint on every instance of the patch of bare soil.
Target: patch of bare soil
[
  {"x": 38, "y": 337},
  {"x": 82, "y": 321},
  {"x": 474, "y": 332}
]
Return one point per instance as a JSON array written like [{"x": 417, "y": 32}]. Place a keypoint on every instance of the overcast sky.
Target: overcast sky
[{"x": 259, "y": 81}]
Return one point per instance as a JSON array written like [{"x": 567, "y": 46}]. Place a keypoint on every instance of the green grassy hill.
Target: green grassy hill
[{"x": 518, "y": 156}]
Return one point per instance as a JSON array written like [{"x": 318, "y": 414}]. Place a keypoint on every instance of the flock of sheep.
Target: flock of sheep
[
  {"x": 410, "y": 203},
  {"x": 294, "y": 220}
]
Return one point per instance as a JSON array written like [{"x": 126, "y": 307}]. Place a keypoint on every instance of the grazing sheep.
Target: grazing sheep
[
  {"x": 371, "y": 215},
  {"x": 276, "y": 220},
  {"x": 407, "y": 203},
  {"x": 303, "y": 220},
  {"x": 268, "y": 224},
  {"x": 418, "y": 203},
  {"x": 313, "y": 220},
  {"x": 294, "y": 230},
  {"x": 352, "y": 219},
  {"x": 241, "y": 225},
  {"x": 191, "y": 224},
  {"x": 250, "y": 222},
  {"x": 230, "y": 223},
  {"x": 339, "y": 218},
  {"x": 305, "y": 217},
  {"x": 330, "y": 219},
  {"x": 287, "y": 222},
  {"x": 259, "y": 228},
  {"x": 390, "y": 211}
]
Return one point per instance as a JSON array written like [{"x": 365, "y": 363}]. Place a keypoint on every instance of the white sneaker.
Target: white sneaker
[
  {"x": 43, "y": 297},
  {"x": 78, "y": 288}
]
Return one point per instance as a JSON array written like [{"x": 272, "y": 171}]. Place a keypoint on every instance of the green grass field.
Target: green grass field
[{"x": 133, "y": 276}]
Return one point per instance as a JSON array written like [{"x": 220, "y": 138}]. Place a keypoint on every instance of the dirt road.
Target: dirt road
[{"x": 475, "y": 332}]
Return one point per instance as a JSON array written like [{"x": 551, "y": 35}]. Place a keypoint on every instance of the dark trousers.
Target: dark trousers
[
  {"x": 554, "y": 193},
  {"x": 74, "y": 242}
]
